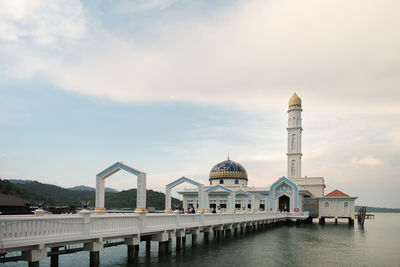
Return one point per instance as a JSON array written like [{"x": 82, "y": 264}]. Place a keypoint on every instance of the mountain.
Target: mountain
[
  {"x": 53, "y": 195},
  {"x": 376, "y": 209},
  {"x": 88, "y": 188}
]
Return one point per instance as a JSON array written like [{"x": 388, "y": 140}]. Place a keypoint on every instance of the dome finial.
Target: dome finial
[
  {"x": 295, "y": 102},
  {"x": 228, "y": 156}
]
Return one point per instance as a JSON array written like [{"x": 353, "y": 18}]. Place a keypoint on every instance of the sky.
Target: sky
[{"x": 173, "y": 87}]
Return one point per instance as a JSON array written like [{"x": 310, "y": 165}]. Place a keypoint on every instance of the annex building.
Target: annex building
[{"x": 229, "y": 191}]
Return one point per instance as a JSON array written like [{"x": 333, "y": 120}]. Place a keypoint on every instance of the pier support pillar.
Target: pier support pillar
[
  {"x": 178, "y": 243},
  {"x": 35, "y": 255},
  {"x": 132, "y": 253},
  {"x": 148, "y": 246},
  {"x": 322, "y": 220},
  {"x": 54, "y": 257},
  {"x": 351, "y": 221},
  {"x": 94, "y": 258},
  {"x": 206, "y": 232},
  {"x": 162, "y": 248},
  {"x": 336, "y": 220},
  {"x": 194, "y": 233},
  {"x": 162, "y": 244},
  {"x": 133, "y": 247},
  {"x": 180, "y": 234}
]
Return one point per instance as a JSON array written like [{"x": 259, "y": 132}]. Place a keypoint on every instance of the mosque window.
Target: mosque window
[
  {"x": 293, "y": 167},
  {"x": 293, "y": 142},
  {"x": 326, "y": 204},
  {"x": 236, "y": 181},
  {"x": 346, "y": 204},
  {"x": 221, "y": 181}
]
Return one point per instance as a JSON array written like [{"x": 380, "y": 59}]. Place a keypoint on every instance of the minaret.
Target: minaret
[{"x": 294, "y": 137}]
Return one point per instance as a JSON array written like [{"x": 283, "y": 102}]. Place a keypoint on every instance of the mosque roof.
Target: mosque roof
[
  {"x": 295, "y": 102},
  {"x": 228, "y": 169},
  {"x": 337, "y": 193}
]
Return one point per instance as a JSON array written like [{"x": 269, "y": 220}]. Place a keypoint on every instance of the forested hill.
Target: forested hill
[
  {"x": 376, "y": 209},
  {"x": 53, "y": 195}
]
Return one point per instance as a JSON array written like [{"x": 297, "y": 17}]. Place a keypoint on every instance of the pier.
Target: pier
[{"x": 40, "y": 236}]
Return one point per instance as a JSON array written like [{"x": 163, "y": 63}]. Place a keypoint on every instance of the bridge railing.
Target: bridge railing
[{"x": 28, "y": 229}]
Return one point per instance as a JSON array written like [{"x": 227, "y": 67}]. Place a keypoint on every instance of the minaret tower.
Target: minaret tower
[{"x": 294, "y": 137}]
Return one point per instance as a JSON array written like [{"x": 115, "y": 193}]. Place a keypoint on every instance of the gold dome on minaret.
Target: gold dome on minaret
[{"x": 294, "y": 102}]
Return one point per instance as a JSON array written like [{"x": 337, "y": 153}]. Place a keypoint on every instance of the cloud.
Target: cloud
[
  {"x": 367, "y": 160},
  {"x": 252, "y": 54},
  {"x": 43, "y": 21}
]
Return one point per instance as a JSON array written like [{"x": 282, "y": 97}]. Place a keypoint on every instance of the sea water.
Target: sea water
[{"x": 375, "y": 244}]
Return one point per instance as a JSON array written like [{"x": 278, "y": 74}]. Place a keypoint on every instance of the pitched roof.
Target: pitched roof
[
  {"x": 336, "y": 193},
  {"x": 10, "y": 200}
]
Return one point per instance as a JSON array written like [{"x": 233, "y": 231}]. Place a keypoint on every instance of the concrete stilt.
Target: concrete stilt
[
  {"x": 219, "y": 233},
  {"x": 54, "y": 258},
  {"x": 241, "y": 230},
  {"x": 194, "y": 239},
  {"x": 206, "y": 236},
  {"x": 178, "y": 243},
  {"x": 351, "y": 221},
  {"x": 148, "y": 246},
  {"x": 169, "y": 245},
  {"x": 336, "y": 220},
  {"x": 183, "y": 241},
  {"x": 322, "y": 220},
  {"x": 131, "y": 253},
  {"x": 33, "y": 264},
  {"x": 162, "y": 248},
  {"x": 94, "y": 258}
]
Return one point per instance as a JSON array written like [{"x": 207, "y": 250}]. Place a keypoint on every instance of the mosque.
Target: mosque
[{"x": 229, "y": 191}]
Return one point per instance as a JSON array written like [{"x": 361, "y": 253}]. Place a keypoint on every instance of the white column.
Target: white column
[
  {"x": 141, "y": 193},
  {"x": 99, "y": 195},
  {"x": 231, "y": 202},
  {"x": 168, "y": 199}
]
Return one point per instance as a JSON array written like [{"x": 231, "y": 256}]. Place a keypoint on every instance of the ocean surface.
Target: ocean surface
[{"x": 377, "y": 244}]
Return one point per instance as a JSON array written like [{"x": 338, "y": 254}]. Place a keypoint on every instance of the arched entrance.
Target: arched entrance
[
  {"x": 200, "y": 195},
  {"x": 231, "y": 197},
  {"x": 141, "y": 186},
  {"x": 284, "y": 203}
]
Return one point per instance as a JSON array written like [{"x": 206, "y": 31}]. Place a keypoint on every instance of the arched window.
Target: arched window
[
  {"x": 326, "y": 204},
  {"x": 293, "y": 121},
  {"x": 293, "y": 167},
  {"x": 221, "y": 181},
  {"x": 293, "y": 142},
  {"x": 346, "y": 204},
  {"x": 298, "y": 121},
  {"x": 236, "y": 181}
]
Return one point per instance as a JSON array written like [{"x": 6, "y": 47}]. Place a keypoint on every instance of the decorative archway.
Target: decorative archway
[
  {"x": 248, "y": 196},
  {"x": 259, "y": 196},
  {"x": 231, "y": 196},
  {"x": 141, "y": 186},
  {"x": 200, "y": 197},
  {"x": 284, "y": 186},
  {"x": 284, "y": 203}
]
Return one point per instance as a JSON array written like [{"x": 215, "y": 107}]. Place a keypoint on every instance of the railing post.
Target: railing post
[{"x": 86, "y": 221}]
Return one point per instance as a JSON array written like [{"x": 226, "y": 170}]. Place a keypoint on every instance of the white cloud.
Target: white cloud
[
  {"x": 43, "y": 21},
  {"x": 367, "y": 160},
  {"x": 253, "y": 54}
]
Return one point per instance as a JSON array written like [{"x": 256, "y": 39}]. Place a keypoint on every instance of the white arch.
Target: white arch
[
  {"x": 200, "y": 187},
  {"x": 141, "y": 186}
]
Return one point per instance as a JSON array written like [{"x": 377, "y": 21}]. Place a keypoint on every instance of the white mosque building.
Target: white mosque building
[{"x": 229, "y": 190}]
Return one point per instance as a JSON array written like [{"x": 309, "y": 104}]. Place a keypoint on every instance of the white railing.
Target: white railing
[
  {"x": 30, "y": 226},
  {"x": 17, "y": 231}
]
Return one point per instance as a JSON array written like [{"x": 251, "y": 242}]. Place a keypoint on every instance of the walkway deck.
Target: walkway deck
[{"x": 34, "y": 234}]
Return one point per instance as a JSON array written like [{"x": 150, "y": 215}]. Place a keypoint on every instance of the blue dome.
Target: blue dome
[{"x": 228, "y": 169}]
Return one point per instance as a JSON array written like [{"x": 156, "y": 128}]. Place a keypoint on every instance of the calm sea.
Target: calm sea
[{"x": 378, "y": 244}]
